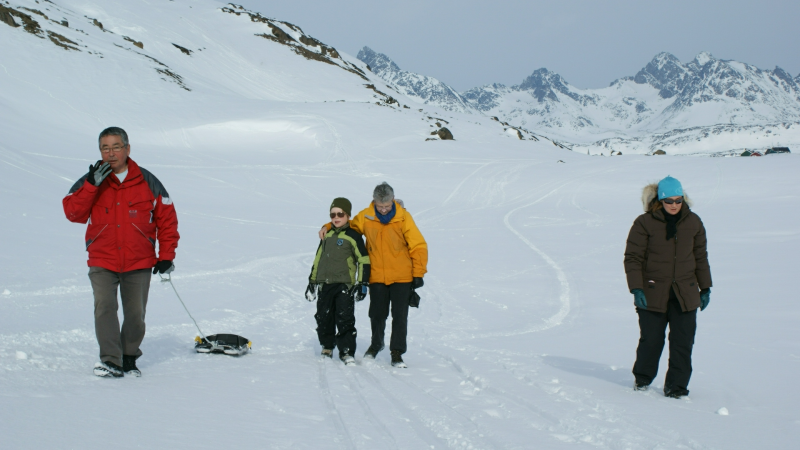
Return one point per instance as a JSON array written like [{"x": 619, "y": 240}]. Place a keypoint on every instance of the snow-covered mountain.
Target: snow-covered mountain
[
  {"x": 423, "y": 89},
  {"x": 668, "y": 104}
]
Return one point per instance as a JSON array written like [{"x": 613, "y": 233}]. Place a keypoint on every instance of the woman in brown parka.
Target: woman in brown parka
[{"x": 666, "y": 263}]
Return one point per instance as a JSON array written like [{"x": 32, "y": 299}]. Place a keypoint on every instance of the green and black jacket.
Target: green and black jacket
[{"x": 340, "y": 257}]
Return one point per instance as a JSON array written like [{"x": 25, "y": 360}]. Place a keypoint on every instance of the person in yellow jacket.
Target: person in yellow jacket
[{"x": 398, "y": 255}]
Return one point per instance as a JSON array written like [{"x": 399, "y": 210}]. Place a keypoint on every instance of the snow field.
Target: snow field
[{"x": 526, "y": 332}]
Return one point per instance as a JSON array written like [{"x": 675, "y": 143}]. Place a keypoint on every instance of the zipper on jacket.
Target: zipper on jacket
[
  {"x": 95, "y": 237},
  {"x": 675, "y": 260},
  {"x": 145, "y": 236}
]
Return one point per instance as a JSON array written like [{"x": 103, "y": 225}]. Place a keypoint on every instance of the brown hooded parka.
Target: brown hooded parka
[{"x": 655, "y": 264}]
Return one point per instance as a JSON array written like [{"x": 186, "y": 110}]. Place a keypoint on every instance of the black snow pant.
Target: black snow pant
[
  {"x": 336, "y": 310},
  {"x": 652, "y": 326},
  {"x": 381, "y": 297}
]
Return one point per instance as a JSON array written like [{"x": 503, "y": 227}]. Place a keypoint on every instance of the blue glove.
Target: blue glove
[
  {"x": 705, "y": 297},
  {"x": 639, "y": 299}
]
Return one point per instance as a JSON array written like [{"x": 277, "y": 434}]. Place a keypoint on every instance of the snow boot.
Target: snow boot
[
  {"x": 129, "y": 366},
  {"x": 372, "y": 351},
  {"x": 675, "y": 392},
  {"x": 397, "y": 359},
  {"x": 639, "y": 386},
  {"x": 327, "y": 352},
  {"x": 108, "y": 369},
  {"x": 347, "y": 359}
]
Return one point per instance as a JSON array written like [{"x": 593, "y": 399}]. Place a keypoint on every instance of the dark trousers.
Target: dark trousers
[
  {"x": 133, "y": 286},
  {"x": 652, "y": 326},
  {"x": 336, "y": 310},
  {"x": 381, "y": 297}
]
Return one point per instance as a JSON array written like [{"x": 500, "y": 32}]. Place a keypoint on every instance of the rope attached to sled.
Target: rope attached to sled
[{"x": 169, "y": 279}]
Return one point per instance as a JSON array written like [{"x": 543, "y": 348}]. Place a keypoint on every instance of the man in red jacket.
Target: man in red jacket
[{"x": 127, "y": 210}]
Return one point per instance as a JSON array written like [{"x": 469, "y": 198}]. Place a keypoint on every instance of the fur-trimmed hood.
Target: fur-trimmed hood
[{"x": 651, "y": 191}]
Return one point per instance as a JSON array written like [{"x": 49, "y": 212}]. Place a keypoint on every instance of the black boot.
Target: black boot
[
  {"x": 372, "y": 351},
  {"x": 108, "y": 369},
  {"x": 675, "y": 392},
  {"x": 129, "y": 366},
  {"x": 347, "y": 359},
  {"x": 397, "y": 359}
]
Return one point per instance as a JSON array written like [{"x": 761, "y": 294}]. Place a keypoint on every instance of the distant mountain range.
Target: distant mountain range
[{"x": 667, "y": 104}]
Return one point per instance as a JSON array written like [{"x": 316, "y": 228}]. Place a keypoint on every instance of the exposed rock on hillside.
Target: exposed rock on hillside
[
  {"x": 183, "y": 50},
  {"x": 30, "y": 25},
  {"x": 444, "y": 134},
  {"x": 293, "y": 37}
]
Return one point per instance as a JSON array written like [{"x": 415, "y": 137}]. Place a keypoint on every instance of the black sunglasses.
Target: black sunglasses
[
  {"x": 337, "y": 214},
  {"x": 670, "y": 201}
]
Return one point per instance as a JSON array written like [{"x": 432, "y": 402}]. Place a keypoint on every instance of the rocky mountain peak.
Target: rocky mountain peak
[
  {"x": 666, "y": 73},
  {"x": 543, "y": 84},
  {"x": 378, "y": 62},
  {"x": 783, "y": 75},
  {"x": 421, "y": 88}
]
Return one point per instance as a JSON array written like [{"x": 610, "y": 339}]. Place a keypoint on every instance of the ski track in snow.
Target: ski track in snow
[{"x": 325, "y": 392}]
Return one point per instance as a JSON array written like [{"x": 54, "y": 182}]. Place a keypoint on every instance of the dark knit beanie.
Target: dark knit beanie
[{"x": 341, "y": 202}]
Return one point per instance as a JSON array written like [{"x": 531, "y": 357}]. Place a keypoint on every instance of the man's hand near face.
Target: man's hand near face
[{"x": 98, "y": 172}]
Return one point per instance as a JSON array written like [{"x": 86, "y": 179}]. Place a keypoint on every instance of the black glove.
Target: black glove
[
  {"x": 98, "y": 172},
  {"x": 311, "y": 292},
  {"x": 359, "y": 291},
  {"x": 164, "y": 267},
  {"x": 413, "y": 299},
  {"x": 417, "y": 283}
]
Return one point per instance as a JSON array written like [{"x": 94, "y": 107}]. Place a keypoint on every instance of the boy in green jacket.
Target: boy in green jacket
[{"x": 339, "y": 278}]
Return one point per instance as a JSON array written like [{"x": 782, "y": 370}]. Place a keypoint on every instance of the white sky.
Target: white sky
[{"x": 469, "y": 43}]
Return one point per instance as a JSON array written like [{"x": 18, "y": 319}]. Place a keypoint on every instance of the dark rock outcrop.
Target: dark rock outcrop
[
  {"x": 445, "y": 134},
  {"x": 184, "y": 50}
]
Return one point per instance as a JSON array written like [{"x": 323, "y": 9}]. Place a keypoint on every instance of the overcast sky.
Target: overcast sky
[{"x": 470, "y": 43}]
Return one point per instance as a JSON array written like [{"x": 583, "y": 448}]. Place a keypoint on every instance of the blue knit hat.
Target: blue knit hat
[{"x": 669, "y": 187}]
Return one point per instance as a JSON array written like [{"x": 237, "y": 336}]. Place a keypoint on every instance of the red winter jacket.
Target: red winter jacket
[{"x": 125, "y": 220}]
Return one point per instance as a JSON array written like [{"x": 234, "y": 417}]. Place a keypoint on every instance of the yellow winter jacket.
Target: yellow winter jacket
[{"x": 397, "y": 251}]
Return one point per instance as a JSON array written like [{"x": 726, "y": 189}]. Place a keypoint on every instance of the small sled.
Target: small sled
[{"x": 229, "y": 344}]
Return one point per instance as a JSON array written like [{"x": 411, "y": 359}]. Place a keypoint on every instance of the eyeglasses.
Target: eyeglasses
[
  {"x": 115, "y": 149},
  {"x": 338, "y": 214},
  {"x": 670, "y": 201}
]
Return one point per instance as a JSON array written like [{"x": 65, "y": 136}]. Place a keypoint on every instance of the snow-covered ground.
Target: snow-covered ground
[{"x": 526, "y": 332}]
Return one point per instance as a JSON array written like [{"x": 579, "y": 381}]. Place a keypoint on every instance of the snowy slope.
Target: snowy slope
[{"x": 526, "y": 333}]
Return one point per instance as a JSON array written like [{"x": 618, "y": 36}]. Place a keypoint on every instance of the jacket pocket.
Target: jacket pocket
[
  {"x": 148, "y": 232},
  {"x": 102, "y": 211},
  {"x": 93, "y": 231},
  {"x": 139, "y": 211}
]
